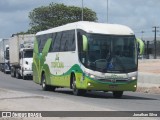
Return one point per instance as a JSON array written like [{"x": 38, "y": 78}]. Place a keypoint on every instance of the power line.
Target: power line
[{"x": 140, "y": 31}]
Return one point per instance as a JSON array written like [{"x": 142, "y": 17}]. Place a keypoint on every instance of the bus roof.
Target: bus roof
[{"x": 92, "y": 27}]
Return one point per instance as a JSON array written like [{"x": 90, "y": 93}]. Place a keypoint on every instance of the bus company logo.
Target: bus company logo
[
  {"x": 57, "y": 57},
  {"x": 114, "y": 78},
  {"x": 57, "y": 63}
]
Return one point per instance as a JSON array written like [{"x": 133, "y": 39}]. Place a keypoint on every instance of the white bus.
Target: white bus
[{"x": 86, "y": 56}]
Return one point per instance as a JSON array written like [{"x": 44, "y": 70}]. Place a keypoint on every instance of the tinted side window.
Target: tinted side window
[
  {"x": 49, "y": 36},
  {"x": 53, "y": 39},
  {"x": 79, "y": 39},
  {"x": 81, "y": 53},
  {"x": 57, "y": 42},
  {"x": 38, "y": 40},
  {"x": 42, "y": 40},
  {"x": 71, "y": 43},
  {"x": 68, "y": 41},
  {"x": 64, "y": 42}
]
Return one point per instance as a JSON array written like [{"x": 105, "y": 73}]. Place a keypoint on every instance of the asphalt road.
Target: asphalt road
[{"x": 131, "y": 101}]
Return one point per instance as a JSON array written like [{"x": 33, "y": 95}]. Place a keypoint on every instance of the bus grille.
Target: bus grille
[{"x": 115, "y": 80}]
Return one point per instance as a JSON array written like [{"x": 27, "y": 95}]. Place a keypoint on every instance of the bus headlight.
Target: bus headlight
[
  {"x": 133, "y": 78},
  {"x": 89, "y": 84},
  {"x": 90, "y": 75}
]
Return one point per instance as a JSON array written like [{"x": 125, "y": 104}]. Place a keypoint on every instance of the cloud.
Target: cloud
[
  {"x": 138, "y": 14},
  {"x": 13, "y": 5}
]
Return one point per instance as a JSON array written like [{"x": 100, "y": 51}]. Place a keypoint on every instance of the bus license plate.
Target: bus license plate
[{"x": 113, "y": 86}]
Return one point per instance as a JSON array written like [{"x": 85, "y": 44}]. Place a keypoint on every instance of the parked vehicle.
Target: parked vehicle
[
  {"x": 21, "y": 55},
  {"x": 4, "y": 56}
]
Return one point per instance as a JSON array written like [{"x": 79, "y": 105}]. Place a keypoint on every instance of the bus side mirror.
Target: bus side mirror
[
  {"x": 141, "y": 46},
  {"x": 85, "y": 43}
]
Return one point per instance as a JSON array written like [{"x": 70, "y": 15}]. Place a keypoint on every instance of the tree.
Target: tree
[{"x": 54, "y": 15}]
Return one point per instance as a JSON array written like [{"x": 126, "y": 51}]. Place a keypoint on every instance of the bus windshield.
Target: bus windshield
[{"x": 108, "y": 53}]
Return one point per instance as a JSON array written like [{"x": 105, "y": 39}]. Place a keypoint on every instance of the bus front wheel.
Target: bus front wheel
[
  {"x": 117, "y": 94},
  {"x": 76, "y": 91},
  {"x": 46, "y": 87}
]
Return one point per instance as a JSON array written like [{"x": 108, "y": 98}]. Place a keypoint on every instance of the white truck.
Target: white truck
[
  {"x": 21, "y": 55},
  {"x": 4, "y": 56}
]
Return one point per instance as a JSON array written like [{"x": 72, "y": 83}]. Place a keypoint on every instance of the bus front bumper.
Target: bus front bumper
[{"x": 90, "y": 84}]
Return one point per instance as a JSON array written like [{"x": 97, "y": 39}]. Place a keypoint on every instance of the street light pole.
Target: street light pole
[
  {"x": 107, "y": 11},
  {"x": 82, "y": 10}
]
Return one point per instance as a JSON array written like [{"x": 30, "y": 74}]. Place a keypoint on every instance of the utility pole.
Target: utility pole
[
  {"x": 155, "y": 41},
  {"x": 147, "y": 50}
]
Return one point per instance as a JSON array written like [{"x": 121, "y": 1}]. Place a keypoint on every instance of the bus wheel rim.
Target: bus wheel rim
[{"x": 43, "y": 83}]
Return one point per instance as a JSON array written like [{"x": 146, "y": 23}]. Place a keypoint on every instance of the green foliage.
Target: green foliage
[
  {"x": 20, "y": 33},
  {"x": 54, "y": 15}
]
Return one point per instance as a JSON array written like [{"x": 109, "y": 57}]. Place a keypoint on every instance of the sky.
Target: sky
[{"x": 139, "y": 15}]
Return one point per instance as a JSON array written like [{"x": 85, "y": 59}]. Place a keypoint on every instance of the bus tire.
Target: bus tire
[
  {"x": 117, "y": 94},
  {"x": 77, "y": 92},
  {"x": 46, "y": 87}
]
